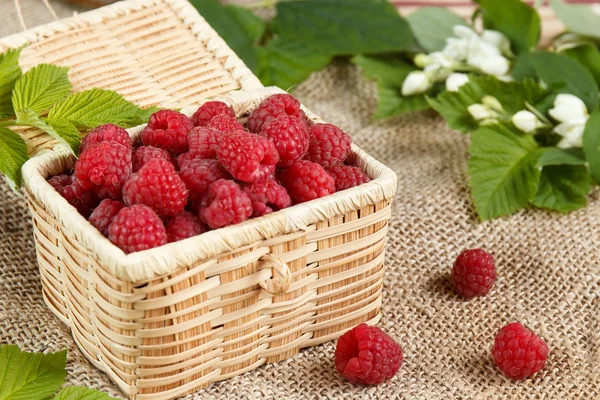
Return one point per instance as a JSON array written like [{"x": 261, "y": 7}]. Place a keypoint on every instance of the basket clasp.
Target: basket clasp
[{"x": 282, "y": 276}]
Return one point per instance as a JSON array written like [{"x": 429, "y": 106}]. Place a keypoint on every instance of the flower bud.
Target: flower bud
[
  {"x": 456, "y": 49},
  {"x": 437, "y": 73},
  {"x": 495, "y": 65},
  {"x": 480, "y": 112},
  {"x": 463, "y": 32},
  {"x": 526, "y": 121},
  {"x": 568, "y": 108},
  {"x": 455, "y": 81},
  {"x": 415, "y": 83},
  {"x": 422, "y": 60},
  {"x": 492, "y": 103},
  {"x": 572, "y": 133}
]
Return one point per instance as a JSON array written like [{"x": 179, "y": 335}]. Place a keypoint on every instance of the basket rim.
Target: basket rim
[{"x": 159, "y": 261}]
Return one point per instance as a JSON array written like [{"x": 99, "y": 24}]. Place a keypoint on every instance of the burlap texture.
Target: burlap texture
[{"x": 548, "y": 277}]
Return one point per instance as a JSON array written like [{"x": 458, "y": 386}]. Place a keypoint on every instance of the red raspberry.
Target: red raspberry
[
  {"x": 104, "y": 167},
  {"x": 104, "y": 214},
  {"x": 137, "y": 228},
  {"x": 329, "y": 145},
  {"x": 106, "y": 133},
  {"x": 225, "y": 123},
  {"x": 209, "y": 110},
  {"x": 84, "y": 200},
  {"x": 167, "y": 130},
  {"x": 290, "y": 137},
  {"x": 306, "y": 180},
  {"x": 183, "y": 226},
  {"x": 248, "y": 157},
  {"x": 367, "y": 355},
  {"x": 157, "y": 185},
  {"x": 518, "y": 352},
  {"x": 267, "y": 196},
  {"x": 346, "y": 176},
  {"x": 273, "y": 107},
  {"x": 60, "y": 181},
  {"x": 146, "y": 153},
  {"x": 225, "y": 204},
  {"x": 474, "y": 273},
  {"x": 202, "y": 142},
  {"x": 199, "y": 174}
]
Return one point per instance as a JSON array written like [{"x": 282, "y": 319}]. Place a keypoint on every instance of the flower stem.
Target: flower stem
[{"x": 9, "y": 123}]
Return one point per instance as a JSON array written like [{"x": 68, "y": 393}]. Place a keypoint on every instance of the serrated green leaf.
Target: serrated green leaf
[
  {"x": 254, "y": 26},
  {"x": 10, "y": 72},
  {"x": 432, "y": 26},
  {"x": 563, "y": 188},
  {"x": 61, "y": 130},
  {"x": 81, "y": 393},
  {"x": 392, "y": 102},
  {"x": 579, "y": 18},
  {"x": 588, "y": 56},
  {"x": 13, "y": 154},
  {"x": 556, "y": 156},
  {"x": 515, "y": 19},
  {"x": 28, "y": 376},
  {"x": 591, "y": 144},
  {"x": 344, "y": 27},
  {"x": 40, "y": 87},
  {"x": 503, "y": 171},
  {"x": 286, "y": 63}
]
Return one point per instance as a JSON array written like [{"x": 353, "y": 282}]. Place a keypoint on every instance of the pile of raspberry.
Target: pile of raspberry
[{"x": 191, "y": 175}]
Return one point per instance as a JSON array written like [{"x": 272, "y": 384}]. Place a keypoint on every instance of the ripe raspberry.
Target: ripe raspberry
[
  {"x": 104, "y": 214},
  {"x": 199, "y": 174},
  {"x": 157, "y": 185},
  {"x": 306, "y": 180},
  {"x": 183, "y": 226},
  {"x": 290, "y": 137},
  {"x": 273, "y": 107},
  {"x": 104, "y": 167},
  {"x": 146, "y": 153},
  {"x": 106, "y": 133},
  {"x": 84, "y": 200},
  {"x": 210, "y": 109},
  {"x": 518, "y": 352},
  {"x": 202, "y": 143},
  {"x": 248, "y": 157},
  {"x": 329, "y": 145},
  {"x": 225, "y": 204},
  {"x": 474, "y": 273},
  {"x": 137, "y": 228},
  {"x": 225, "y": 123},
  {"x": 267, "y": 196},
  {"x": 167, "y": 130},
  {"x": 60, "y": 181},
  {"x": 367, "y": 355},
  {"x": 346, "y": 176}
]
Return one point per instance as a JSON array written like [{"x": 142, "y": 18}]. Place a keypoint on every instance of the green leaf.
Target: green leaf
[
  {"x": 392, "y": 102},
  {"x": 94, "y": 107},
  {"x": 556, "y": 156},
  {"x": 40, "y": 87},
  {"x": 588, "y": 56},
  {"x": 579, "y": 18},
  {"x": 62, "y": 130},
  {"x": 515, "y": 19},
  {"x": 563, "y": 188},
  {"x": 285, "y": 63},
  {"x": 28, "y": 376},
  {"x": 503, "y": 171},
  {"x": 13, "y": 154},
  {"x": 424, "y": 19},
  {"x": 81, "y": 393},
  {"x": 591, "y": 144},
  {"x": 251, "y": 24},
  {"x": 10, "y": 72},
  {"x": 523, "y": 67},
  {"x": 344, "y": 27}
]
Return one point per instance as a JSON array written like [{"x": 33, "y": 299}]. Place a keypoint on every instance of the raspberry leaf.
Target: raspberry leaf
[
  {"x": 40, "y": 87},
  {"x": 10, "y": 72},
  {"x": 591, "y": 144},
  {"x": 563, "y": 188},
  {"x": 422, "y": 21},
  {"x": 556, "y": 156},
  {"x": 503, "y": 171},
  {"x": 13, "y": 154},
  {"x": 588, "y": 56},
  {"x": 80, "y": 393},
  {"x": 579, "y": 18},
  {"x": 61, "y": 130}
]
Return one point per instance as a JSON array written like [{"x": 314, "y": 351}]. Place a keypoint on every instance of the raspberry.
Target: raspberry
[
  {"x": 210, "y": 109},
  {"x": 473, "y": 273},
  {"x": 248, "y": 157},
  {"x": 157, "y": 185},
  {"x": 273, "y": 107},
  {"x": 225, "y": 204},
  {"x": 199, "y": 174},
  {"x": 367, "y": 355},
  {"x": 290, "y": 137},
  {"x": 146, "y": 153},
  {"x": 202, "y": 143},
  {"x": 329, "y": 145},
  {"x": 346, "y": 176},
  {"x": 137, "y": 228},
  {"x": 84, "y": 200},
  {"x": 518, "y": 352},
  {"x": 167, "y": 130},
  {"x": 225, "y": 123},
  {"x": 306, "y": 180},
  {"x": 267, "y": 196},
  {"x": 60, "y": 181},
  {"x": 104, "y": 167},
  {"x": 183, "y": 226},
  {"x": 106, "y": 133},
  {"x": 104, "y": 214}
]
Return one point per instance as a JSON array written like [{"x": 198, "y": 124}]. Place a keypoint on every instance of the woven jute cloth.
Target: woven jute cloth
[{"x": 548, "y": 277}]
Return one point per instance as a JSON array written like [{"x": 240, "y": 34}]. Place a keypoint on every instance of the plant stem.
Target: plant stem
[{"x": 9, "y": 123}]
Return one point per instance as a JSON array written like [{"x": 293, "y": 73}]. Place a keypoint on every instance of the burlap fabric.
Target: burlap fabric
[{"x": 548, "y": 277}]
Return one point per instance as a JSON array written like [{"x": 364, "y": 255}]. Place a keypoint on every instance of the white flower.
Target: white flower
[
  {"x": 492, "y": 103},
  {"x": 568, "y": 108},
  {"x": 498, "y": 40},
  {"x": 437, "y": 73},
  {"x": 480, "y": 112},
  {"x": 572, "y": 133},
  {"x": 497, "y": 65},
  {"x": 526, "y": 121},
  {"x": 456, "y": 49},
  {"x": 416, "y": 82},
  {"x": 455, "y": 81},
  {"x": 440, "y": 58},
  {"x": 463, "y": 32}
]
